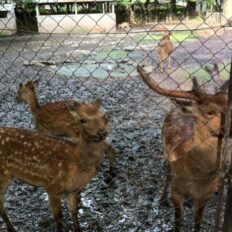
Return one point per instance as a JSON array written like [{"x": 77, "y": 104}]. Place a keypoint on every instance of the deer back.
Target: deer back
[{"x": 51, "y": 118}]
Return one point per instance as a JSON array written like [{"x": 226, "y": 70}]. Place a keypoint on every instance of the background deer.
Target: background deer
[
  {"x": 60, "y": 166},
  {"x": 165, "y": 49},
  {"x": 55, "y": 119},
  {"x": 124, "y": 26},
  {"x": 190, "y": 138}
]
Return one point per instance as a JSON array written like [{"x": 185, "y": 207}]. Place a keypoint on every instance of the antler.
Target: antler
[{"x": 195, "y": 94}]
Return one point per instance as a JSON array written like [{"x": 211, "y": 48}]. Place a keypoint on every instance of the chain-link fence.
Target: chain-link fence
[{"x": 84, "y": 50}]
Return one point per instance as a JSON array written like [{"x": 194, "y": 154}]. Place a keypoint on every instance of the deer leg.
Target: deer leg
[
  {"x": 73, "y": 202},
  {"x": 55, "y": 203},
  {"x": 4, "y": 182},
  {"x": 110, "y": 151},
  {"x": 178, "y": 207},
  {"x": 199, "y": 206},
  {"x": 161, "y": 60},
  {"x": 167, "y": 180}
]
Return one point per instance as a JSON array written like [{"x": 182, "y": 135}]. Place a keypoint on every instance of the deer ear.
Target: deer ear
[
  {"x": 35, "y": 82},
  {"x": 72, "y": 107},
  {"x": 185, "y": 106},
  {"x": 196, "y": 86},
  {"x": 98, "y": 102}
]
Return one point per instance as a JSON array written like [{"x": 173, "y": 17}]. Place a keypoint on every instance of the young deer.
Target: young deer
[
  {"x": 60, "y": 166},
  {"x": 55, "y": 119},
  {"x": 165, "y": 49},
  {"x": 190, "y": 138}
]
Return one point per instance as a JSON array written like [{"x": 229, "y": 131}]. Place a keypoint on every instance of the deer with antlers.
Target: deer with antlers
[
  {"x": 60, "y": 166},
  {"x": 55, "y": 119},
  {"x": 165, "y": 49},
  {"x": 190, "y": 137}
]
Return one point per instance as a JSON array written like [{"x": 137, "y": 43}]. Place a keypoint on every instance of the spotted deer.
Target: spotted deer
[
  {"x": 54, "y": 118},
  {"x": 61, "y": 167},
  {"x": 190, "y": 136},
  {"x": 165, "y": 49}
]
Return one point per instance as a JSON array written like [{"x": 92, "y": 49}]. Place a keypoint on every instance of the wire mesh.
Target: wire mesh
[{"x": 84, "y": 50}]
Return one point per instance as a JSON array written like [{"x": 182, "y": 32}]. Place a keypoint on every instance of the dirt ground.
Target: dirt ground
[{"x": 131, "y": 203}]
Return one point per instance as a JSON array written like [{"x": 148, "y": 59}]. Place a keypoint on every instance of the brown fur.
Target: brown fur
[
  {"x": 54, "y": 118},
  {"x": 59, "y": 166},
  {"x": 165, "y": 49}
]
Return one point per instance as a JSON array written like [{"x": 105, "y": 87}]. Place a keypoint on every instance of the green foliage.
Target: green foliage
[{"x": 28, "y": 5}]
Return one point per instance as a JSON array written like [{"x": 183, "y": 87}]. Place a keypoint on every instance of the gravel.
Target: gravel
[{"x": 131, "y": 203}]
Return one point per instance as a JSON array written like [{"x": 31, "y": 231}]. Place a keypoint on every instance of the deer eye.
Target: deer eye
[
  {"x": 82, "y": 120},
  {"x": 210, "y": 113}
]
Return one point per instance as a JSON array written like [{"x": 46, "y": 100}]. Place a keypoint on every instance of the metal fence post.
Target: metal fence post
[{"x": 227, "y": 226}]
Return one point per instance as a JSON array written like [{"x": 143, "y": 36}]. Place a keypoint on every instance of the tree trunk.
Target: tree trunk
[
  {"x": 173, "y": 8},
  {"x": 191, "y": 8},
  {"x": 146, "y": 4},
  {"x": 132, "y": 14}
]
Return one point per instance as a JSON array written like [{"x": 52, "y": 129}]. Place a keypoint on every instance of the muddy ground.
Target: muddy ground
[{"x": 131, "y": 203}]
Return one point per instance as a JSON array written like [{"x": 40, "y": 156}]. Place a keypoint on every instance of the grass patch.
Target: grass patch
[
  {"x": 119, "y": 55},
  {"x": 179, "y": 36},
  {"x": 115, "y": 55}
]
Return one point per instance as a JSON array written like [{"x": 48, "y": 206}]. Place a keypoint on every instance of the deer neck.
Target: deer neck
[
  {"x": 33, "y": 103},
  {"x": 91, "y": 152},
  {"x": 204, "y": 139}
]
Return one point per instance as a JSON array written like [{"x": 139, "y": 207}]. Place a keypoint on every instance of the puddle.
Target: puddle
[
  {"x": 116, "y": 64},
  {"x": 103, "y": 70}
]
